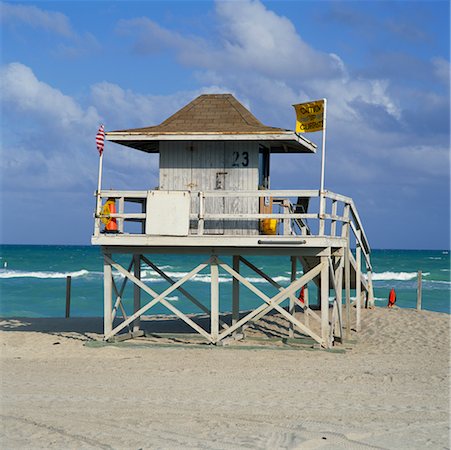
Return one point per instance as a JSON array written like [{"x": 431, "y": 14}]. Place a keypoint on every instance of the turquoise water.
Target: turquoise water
[{"x": 33, "y": 280}]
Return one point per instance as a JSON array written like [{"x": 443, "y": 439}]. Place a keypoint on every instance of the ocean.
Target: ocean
[{"x": 33, "y": 280}]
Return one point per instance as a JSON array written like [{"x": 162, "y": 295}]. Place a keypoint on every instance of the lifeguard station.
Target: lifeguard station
[{"x": 214, "y": 199}]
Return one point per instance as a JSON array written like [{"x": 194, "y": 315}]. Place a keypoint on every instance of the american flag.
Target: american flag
[{"x": 100, "y": 139}]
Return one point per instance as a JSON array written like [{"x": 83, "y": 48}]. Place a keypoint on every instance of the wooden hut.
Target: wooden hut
[{"x": 214, "y": 198}]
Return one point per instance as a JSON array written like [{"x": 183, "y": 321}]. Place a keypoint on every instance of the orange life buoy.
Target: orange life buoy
[
  {"x": 391, "y": 298},
  {"x": 110, "y": 222}
]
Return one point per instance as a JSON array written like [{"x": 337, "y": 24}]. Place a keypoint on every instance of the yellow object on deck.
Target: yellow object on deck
[{"x": 268, "y": 226}]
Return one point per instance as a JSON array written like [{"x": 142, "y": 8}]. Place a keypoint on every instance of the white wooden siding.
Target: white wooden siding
[
  {"x": 241, "y": 177},
  {"x": 213, "y": 165},
  {"x": 207, "y": 167}
]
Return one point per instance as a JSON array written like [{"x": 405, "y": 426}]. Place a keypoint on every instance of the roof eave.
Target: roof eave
[{"x": 290, "y": 142}]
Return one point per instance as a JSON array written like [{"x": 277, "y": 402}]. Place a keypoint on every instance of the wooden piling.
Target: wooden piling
[
  {"x": 214, "y": 315},
  {"x": 68, "y": 283},
  {"x": 358, "y": 282},
  {"x": 291, "y": 308},
  {"x": 419, "y": 290},
  {"x": 107, "y": 295},
  {"x": 324, "y": 299},
  {"x": 236, "y": 291},
  {"x": 136, "y": 291}
]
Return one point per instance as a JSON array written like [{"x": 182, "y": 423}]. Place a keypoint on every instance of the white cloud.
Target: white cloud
[
  {"x": 365, "y": 117},
  {"x": 423, "y": 161},
  {"x": 262, "y": 58},
  {"x": 23, "y": 93},
  {"x": 80, "y": 45},
  {"x": 442, "y": 70},
  {"x": 257, "y": 51},
  {"x": 33, "y": 16},
  {"x": 250, "y": 37},
  {"x": 53, "y": 148},
  {"x": 257, "y": 39},
  {"x": 123, "y": 108},
  {"x": 73, "y": 46},
  {"x": 151, "y": 37}
]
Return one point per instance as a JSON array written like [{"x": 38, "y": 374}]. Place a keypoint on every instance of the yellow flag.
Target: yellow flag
[{"x": 309, "y": 116}]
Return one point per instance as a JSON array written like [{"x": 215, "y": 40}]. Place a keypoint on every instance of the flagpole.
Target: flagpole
[
  {"x": 99, "y": 183},
  {"x": 100, "y": 143},
  {"x": 322, "y": 201}
]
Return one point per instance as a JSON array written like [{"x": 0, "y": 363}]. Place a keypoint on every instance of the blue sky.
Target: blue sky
[{"x": 383, "y": 66}]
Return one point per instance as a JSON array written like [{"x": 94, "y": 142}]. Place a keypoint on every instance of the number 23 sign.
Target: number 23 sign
[{"x": 240, "y": 159}]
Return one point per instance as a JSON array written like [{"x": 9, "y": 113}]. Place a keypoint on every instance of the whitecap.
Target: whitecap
[
  {"x": 42, "y": 275},
  {"x": 437, "y": 282},
  {"x": 399, "y": 276}
]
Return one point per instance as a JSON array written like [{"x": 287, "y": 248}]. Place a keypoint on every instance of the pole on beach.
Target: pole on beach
[
  {"x": 420, "y": 276},
  {"x": 68, "y": 283}
]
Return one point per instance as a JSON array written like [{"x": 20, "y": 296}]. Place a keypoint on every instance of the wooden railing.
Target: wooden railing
[{"x": 338, "y": 212}]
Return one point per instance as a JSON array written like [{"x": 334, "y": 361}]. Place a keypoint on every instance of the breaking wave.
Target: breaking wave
[
  {"x": 149, "y": 275},
  {"x": 42, "y": 275},
  {"x": 400, "y": 276}
]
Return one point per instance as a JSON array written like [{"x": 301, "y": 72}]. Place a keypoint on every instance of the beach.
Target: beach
[{"x": 388, "y": 387}]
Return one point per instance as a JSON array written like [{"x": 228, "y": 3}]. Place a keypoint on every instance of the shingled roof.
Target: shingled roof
[
  {"x": 211, "y": 113},
  {"x": 210, "y": 116}
]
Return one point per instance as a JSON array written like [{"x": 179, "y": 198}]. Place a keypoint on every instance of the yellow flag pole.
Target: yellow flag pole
[{"x": 322, "y": 200}]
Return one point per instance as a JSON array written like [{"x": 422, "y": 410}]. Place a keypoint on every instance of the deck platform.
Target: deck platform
[{"x": 320, "y": 243}]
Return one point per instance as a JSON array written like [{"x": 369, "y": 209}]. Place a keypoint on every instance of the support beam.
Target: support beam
[
  {"x": 358, "y": 281},
  {"x": 322, "y": 212},
  {"x": 201, "y": 220},
  {"x": 369, "y": 274},
  {"x": 348, "y": 293},
  {"x": 157, "y": 298},
  {"x": 303, "y": 261},
  {"x": 136, "y": 291},
  {"x": 260, "y": 272},
  {"x": 118, "y": 303},
  {"x": 119, "y": 293},
  {"x": 324, "y": 298},
  {"x": 291, "y": 307},
  {"x": 339, "y": 293},
  {"x": 336, "y": 281},
  {"x": 347, "y": 271},
  {"x": 120, "y": 222},
  {"x": 107, "y": 295},
  {"x": 180, "y": 289},
  {"x": 236, "y": 291},
  {"x": 273, "y": 303},
  {"x": 286, "y": 222},
  {"x": 333, "y": 224},
  {"x": 214, "y": 318}
]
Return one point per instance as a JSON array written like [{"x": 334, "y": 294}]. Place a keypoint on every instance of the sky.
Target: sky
[{"x": 384, "y": 67}]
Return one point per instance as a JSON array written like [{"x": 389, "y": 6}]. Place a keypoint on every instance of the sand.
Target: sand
[{"x": 390, "y": 389}]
